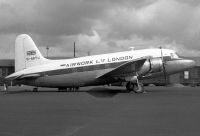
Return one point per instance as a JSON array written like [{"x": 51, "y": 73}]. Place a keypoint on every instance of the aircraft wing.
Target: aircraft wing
[{"x": 126, "y": 69}]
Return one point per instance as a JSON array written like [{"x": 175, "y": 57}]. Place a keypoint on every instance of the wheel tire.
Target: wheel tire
[
  {"x": 130, "y": 87},
  {"x": 35, "y": 89},
  {"x": 76, "y": 88},
  {"x": 138, "y": 88}
]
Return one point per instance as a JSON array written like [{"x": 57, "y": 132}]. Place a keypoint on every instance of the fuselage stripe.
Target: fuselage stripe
[{"x": 81, "y": 69}]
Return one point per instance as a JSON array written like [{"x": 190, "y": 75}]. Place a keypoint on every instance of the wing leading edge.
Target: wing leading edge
[{"x": 130, "y": 67}]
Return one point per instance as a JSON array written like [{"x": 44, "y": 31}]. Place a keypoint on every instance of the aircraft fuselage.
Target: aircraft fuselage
[{"x": 84, "y": 71}]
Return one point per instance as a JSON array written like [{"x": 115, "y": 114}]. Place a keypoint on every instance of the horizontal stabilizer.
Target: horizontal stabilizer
[{"x": 29, "y": 76}]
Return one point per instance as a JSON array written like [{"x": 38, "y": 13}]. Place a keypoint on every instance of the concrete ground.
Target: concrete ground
[{"x": 100, "y": 111}]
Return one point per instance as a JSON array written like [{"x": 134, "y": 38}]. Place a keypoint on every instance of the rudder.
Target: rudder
[{"x": 26, "y": 53}]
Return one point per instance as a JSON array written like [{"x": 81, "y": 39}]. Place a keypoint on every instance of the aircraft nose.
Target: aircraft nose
[
  {"x": 179, "y": 65},
  {"x": 189, "y": 63}
]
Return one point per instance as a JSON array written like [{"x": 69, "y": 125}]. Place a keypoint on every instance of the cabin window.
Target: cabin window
[
  {"x": 80, "y": 69},
  {"x": 107, "y": 65},
  {"x": 74, "y": 70},
  {"x": 96, "y": 67},
  {"x": 174, "y": 56},
  {"x": 167, "y": 58},
  {"x": 102, "y": 66},
  {"x": 90, "y": 68},
  {"x": 70, "y": 70}
]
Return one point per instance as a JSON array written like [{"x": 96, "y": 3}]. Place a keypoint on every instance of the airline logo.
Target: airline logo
[
  {"x": 31, "y": 55},
  {"x": 98, "y": 61}
]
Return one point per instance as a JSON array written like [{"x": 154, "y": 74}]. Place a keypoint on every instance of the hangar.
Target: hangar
[
  {"x": 189, "y": 77},
  {"x": 6, "y": 68}
]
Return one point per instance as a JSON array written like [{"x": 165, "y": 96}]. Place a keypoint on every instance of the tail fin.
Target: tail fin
[{"x": 26, "y": 53}]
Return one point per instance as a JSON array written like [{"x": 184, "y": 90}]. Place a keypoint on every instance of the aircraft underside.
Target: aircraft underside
[
  {"x": 67, "y": 80},
  {"x": 80, "y": 79}
]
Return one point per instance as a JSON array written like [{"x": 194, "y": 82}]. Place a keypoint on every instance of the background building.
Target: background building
[
  {"x": 6, "y": 68},
  {"x": 192, "y": 76}
]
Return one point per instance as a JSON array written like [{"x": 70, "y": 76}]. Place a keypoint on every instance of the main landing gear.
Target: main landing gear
[
  {"x": 35, "y": 89},
  {"x": 69, "y": 89},
  {"x": 135, "y": 86}
]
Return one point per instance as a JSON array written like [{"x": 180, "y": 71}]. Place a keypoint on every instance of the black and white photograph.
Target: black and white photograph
[{"x": 99, "y": 67}]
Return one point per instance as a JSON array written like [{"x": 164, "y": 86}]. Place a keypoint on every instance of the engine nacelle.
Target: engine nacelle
[
  {"x": 151, "y": 66},
  {"x": 156, "y": 65}
]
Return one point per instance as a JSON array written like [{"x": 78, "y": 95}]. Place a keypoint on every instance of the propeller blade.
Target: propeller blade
[{"x": 163, "y": 65}]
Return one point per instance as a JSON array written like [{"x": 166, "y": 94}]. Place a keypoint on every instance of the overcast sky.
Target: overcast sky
[{"x": 101, "y": 26}]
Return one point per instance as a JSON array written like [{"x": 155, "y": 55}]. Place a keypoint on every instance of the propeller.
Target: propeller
[{"x": 163, "y": 65}]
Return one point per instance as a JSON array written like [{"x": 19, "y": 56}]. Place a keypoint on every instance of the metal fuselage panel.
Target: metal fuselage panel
[
  {"x": 68, "y": 80},
  {"x": 87, "y": 78}
]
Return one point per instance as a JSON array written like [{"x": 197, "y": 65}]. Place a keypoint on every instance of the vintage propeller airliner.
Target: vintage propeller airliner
[{"x": 31, "y": 68}]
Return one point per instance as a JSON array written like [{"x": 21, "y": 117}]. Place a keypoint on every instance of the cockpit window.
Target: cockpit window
[{"x": 174, "y": 55}]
